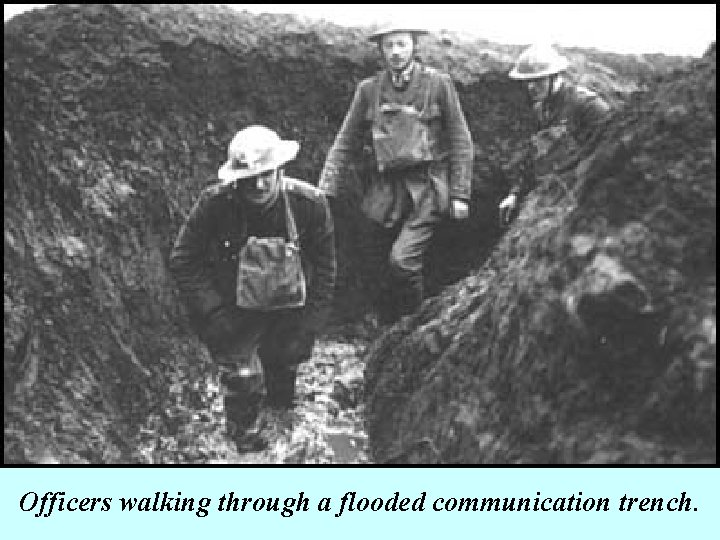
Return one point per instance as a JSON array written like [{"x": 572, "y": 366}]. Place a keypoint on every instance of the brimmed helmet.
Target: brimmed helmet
[
  {"x": 538, "y": 61},
  {"x": 395, "y": 27},
  {"x": 255, "y": 150}
]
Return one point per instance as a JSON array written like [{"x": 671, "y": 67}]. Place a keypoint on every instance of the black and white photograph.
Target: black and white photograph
[{"x": 360, "y": 234}]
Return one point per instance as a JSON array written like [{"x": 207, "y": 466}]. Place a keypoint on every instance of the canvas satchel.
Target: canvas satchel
[
  {"x": 270, "y": 274},
  {"x": 400, "y": 133}
]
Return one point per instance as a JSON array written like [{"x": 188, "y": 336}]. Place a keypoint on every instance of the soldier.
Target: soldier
[
  {"x": 564, "y": 110},
  {"x": 406, "y": 135},
  {"x": 255, "y": 261}
]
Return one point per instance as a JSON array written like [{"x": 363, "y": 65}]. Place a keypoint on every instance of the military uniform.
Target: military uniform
[
  {"x": 204, "y": 261},
  {"x": 566, "y": 120},
  {"x": 401, "y": 156}
]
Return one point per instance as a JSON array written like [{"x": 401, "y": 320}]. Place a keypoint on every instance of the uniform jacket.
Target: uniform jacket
[
  {"x": 204, "y": 258},
  {"x": 566, "y": 121},
  {"x": 448, "y": 130},
  {"x": 578, "y": 107}
]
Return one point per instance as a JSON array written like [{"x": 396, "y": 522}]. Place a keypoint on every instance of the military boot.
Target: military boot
[
  {"x": 407, "y": 295},
  {"x": 243, "y": 399},
  {"x": 409, "y": 299},
  {"x": 280, "y": 384}
]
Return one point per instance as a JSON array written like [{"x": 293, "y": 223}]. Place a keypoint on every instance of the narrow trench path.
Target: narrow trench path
[{"x": 328, "y": 424}]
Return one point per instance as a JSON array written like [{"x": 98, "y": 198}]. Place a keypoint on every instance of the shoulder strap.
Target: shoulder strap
[
  {"x": 377, "y": 91},
  {"x": 289, "y": 217}
]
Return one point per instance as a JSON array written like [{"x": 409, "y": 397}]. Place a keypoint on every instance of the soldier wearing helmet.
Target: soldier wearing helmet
[
  {"x": 255, "y": 261},
  {"x": 403, "y": 157},
  {"x": 563, "y": 109}
]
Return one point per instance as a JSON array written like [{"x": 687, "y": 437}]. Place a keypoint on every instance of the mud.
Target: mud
[
  {"x": 117, "y": 116},
  {"x": 589, "y": 335}
]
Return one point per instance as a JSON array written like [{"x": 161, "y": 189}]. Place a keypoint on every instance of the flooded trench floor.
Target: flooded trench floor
[
  {"x": 325, "y": 427},
  {"x": 327, "y": 422}
]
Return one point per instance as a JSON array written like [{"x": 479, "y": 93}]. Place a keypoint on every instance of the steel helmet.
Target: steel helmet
[
  {"x": 254, "y": 150},
  {"x": 395, "y": 27},
  {"x": 538, "y": 61}
]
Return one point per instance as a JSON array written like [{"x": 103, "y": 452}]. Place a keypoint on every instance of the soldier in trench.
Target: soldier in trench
[
  {"x": 255, "y": 261},
  {"x": 567, "y": 114},
  {"x": 401, "y": 161}
]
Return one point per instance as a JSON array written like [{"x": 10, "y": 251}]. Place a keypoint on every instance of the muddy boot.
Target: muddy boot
[
  {"x": 387, "y": 310},
  {"x": 408, "y": 295},
  {"x": 404, "y": 298},
  {"x": 243, "y": 398},
  {"x": 280, "y": 385},
  {"x": 281, "y": 399},
  {"x": 255, "y": 438},
  {"x": 384, "y": 302}
]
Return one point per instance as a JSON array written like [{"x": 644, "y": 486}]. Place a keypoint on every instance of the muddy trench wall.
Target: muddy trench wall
[
  {"x": 116, "y": 116},
  {"x": 590, "y": 334}
]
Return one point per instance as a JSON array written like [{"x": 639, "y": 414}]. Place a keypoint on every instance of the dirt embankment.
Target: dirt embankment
[
  {"x": 115, "y": 117},
  {"x": 590, "y": 334}
]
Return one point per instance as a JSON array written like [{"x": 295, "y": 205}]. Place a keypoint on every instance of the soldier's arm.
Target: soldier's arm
[
  {"x": 598, "y": 108},
  {"x": 347, "y": 146},
  {"x": 322, "y": 249},
  {"x": 590, "y": 111},
  {"x": 460, "y": 141},
  {"x": 523, "y": 170},
  {"x": 188, "y": 260}
]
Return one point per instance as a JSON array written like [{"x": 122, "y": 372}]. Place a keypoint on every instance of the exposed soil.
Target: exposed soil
[
  {"x": 116, "y": 116},
  {"x": 326, "y": 426},
  {"x": 589, "y": 335}
]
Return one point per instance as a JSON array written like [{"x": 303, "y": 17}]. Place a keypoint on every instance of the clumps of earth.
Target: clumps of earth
[
  {"x": 584, "y": 333},
  {"x": 589, "y": 334}
]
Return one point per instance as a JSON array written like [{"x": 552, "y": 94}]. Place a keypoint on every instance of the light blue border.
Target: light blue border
[{"x": 700, "y": 484}]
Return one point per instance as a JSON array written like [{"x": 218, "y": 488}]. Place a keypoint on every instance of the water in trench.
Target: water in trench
[{"x": 325, "y": 427}]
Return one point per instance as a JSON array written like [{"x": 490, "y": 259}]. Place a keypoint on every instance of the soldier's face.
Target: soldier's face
[
  {"x": 398, "y": 49},
  {"x": 538, "y": 88},
  {"x": 262, "y": 188}
]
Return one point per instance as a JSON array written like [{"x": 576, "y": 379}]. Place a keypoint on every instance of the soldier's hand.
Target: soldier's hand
[
  {"x": 460, "y": 209},
  {"x": 506, "y": 208}
]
